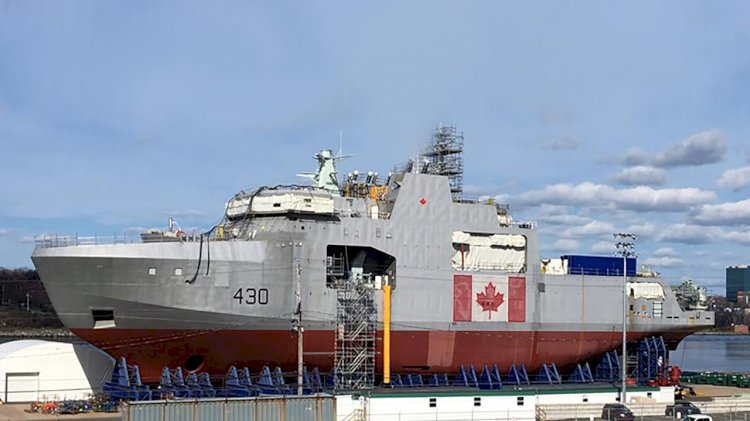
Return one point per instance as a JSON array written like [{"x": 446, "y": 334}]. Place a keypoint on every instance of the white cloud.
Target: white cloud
[
  {"x": 591, "y": 229},
  {"x": 4, "y": 232},
  {"x": 742, "y": 237},
  {"x": 559, "y": 215},
  {"x": 28, "y": 239},
  {"x": 699, "y": 149},
  {"x": 689, "y": 234},
  {"x": 564, "y": 219},
  {"x": 603, "y": 247},
  {"x": 640, "y": 198},
  {"x": 736, "y": 179},
  {"x": 699, "y": 234},
  {"x": 484, "y": 190},
  {"x": 134, "y": 230},
  {"x": 664, "y": 261},
  {"x": 665, "y": 252},
  {"x": 643, "y": 230},
  {"x": 702, "y": 148},
  {"x": 635, "y": 157},
  {"x": 185, "y": 213},
  {"x": 728, "y": 213},
  {"x": 565, "y": 245},
  {"x": 642, "y": 175},
  {"x": 562, "y": 143}
]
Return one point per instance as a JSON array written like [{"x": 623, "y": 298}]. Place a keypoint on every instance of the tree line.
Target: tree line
[{"x": 18, "y": 274}]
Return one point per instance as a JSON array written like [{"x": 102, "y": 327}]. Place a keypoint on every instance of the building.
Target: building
[
  {"x": 738, "y": 279},
  {"x": 33, "y": 370}
]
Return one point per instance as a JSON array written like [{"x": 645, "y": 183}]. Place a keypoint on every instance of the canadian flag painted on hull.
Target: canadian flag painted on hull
[{"x": 487, "y": 298}]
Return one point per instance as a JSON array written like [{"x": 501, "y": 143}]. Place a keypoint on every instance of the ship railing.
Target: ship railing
[
  {"x": 494, "y": 267},
  {"x": 598, "y": 272},
  {"x": 502, "y": 208},
  {"x": 351, "y": 213},
  {"x": 347, "y": 213},
  {"x": 54, "y": 240}
]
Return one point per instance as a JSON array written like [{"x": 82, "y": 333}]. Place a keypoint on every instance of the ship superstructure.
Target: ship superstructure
[{"x": 466, "y": 280}]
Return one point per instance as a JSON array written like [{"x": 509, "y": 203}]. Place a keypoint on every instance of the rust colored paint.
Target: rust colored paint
[
  {"x": 423, "y": 351},
  {"x": 462, "y": 298},
  {"x": 516, "y": 299}
]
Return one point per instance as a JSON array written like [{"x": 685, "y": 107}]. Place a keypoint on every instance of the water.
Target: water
[{"x": 729, "y": 353}]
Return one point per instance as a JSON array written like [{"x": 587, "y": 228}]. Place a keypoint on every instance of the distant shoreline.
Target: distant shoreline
[
  {"x": 720, "y": 333},
  {"x": 36, "y": 333}
]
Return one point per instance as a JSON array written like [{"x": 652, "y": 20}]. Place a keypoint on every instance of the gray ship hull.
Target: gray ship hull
[{"x": 160, "y": 304}]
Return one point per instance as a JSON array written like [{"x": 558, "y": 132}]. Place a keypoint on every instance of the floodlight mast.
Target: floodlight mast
[{"x": 625, "y": 247}]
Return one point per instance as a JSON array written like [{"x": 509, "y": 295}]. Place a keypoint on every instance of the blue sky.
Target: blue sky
[{"x": 587, "y": 117}]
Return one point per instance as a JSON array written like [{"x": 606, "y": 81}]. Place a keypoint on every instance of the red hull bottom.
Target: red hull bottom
[{"x": 411, "y": 351}]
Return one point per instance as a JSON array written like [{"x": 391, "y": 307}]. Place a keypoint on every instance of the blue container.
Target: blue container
[{"x": 598, "y": 265}]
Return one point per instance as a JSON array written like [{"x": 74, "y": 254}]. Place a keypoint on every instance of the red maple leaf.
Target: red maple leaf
[{"x": 490, "y": 300}]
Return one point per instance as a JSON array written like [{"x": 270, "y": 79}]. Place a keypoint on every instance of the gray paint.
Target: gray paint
[
  {"x": 309, "y": 408},
  {"x": 85, "y": 277}
]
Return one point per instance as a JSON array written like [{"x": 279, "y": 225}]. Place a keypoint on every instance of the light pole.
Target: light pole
[
  {"x": 297, "y": 322},
  {"x": 625, "y": 245}
]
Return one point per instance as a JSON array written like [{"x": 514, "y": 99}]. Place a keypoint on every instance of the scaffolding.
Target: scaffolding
[
  {"x": 356, "y": 322},
  {"x": 444, "y": 156}
]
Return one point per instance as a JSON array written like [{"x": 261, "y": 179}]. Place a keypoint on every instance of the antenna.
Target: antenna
[
  {"x": 341, "y": 142},
  {"x": 340, "y": 154}
]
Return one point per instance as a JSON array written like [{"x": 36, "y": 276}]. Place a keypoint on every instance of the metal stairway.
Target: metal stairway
[{"x": 356, "y": 321}]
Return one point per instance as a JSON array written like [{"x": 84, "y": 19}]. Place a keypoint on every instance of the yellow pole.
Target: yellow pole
[{"x": 386, "y": 334}]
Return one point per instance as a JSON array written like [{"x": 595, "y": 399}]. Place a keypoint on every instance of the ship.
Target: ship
[{"x": 399, "y": 273}]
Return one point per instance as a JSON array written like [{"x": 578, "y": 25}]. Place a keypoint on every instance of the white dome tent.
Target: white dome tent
[{"x": 33, "y": 370}]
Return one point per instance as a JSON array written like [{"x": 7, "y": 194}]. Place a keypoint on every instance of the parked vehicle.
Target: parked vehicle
[
  {"x": 681, "y": 409},
  {"x": 617, "y": 412},
  {"x": 698, "y": 417}
]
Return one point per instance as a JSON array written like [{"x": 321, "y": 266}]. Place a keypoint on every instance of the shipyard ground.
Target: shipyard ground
[
  {"x": 737, "y": 416},
  {"x": 17, "y": 412},
  {"x": 13, "y": 412}
]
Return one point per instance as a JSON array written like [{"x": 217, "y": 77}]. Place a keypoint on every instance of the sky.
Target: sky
[{"x": 588, "y": 118}]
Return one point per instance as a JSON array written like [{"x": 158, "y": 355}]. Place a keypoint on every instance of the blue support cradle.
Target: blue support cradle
[
  {"x": 608, "y": 369},
  {"x": 125, "y": 383},
  {"x": 582, "y": 374},
  {"x": 517, "y": 375},
  {"x": 548, "y": 374}
]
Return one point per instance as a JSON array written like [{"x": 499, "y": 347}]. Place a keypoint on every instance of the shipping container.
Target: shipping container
[
  {"x": 291, "y": 408},
  {"x": 598, "y": 265}
]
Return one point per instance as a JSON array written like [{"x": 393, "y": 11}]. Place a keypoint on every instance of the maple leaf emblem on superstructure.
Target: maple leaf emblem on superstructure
[{"x": 490, "y": 299}]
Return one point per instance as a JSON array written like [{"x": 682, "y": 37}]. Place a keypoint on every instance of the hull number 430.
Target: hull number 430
[{"x": 251, "y": 296}]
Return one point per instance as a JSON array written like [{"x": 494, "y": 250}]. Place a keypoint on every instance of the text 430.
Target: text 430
[{"x": 251, "y": 296}]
